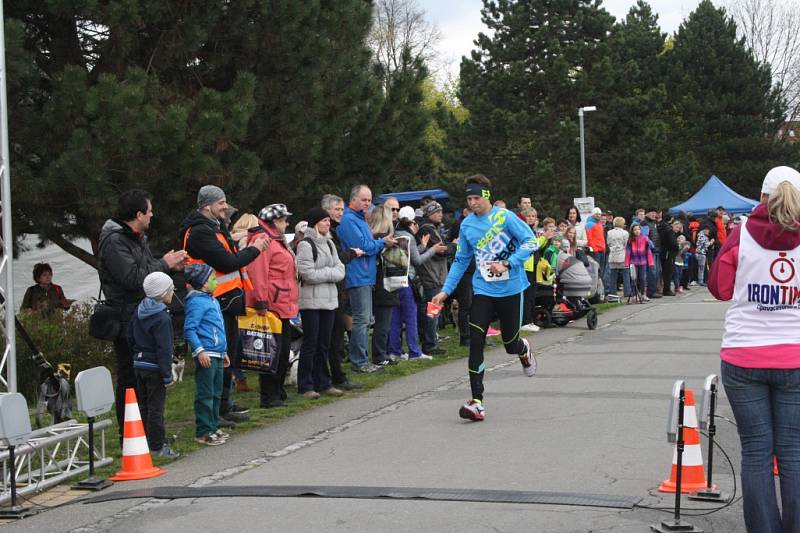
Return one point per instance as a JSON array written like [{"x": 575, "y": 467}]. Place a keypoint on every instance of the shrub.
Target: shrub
[{"x": 62, "y": 337}]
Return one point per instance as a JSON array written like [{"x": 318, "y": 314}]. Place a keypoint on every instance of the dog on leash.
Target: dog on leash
[{"x": 178, "y": 366}]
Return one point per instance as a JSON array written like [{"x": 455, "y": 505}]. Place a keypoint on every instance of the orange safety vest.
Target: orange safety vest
[{"x": 238, "y": 279}]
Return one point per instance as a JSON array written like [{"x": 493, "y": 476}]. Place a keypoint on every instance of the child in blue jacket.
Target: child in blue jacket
[
  {"x": 204, "y": 330},
  {"x": 150, "y": 340}
]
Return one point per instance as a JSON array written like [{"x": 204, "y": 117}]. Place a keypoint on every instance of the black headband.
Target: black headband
[{"x": 476, "y": 189}]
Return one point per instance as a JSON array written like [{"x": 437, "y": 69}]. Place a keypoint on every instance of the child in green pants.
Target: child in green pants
[{"x": 204, "y": 330}]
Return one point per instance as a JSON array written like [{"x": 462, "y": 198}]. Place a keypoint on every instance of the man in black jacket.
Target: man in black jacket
[
  {"x": 207, "y": 240},
  {"x": 669, "y": 242},
  {"x": 334, "y": 205},
  {"x": 124, "y": 259},
  {"x": 652, "y": 216}
]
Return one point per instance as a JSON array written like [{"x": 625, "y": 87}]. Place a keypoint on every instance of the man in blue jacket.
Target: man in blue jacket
[{"x": 354, "y": 233}]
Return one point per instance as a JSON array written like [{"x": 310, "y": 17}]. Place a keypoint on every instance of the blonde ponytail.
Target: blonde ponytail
[{"x": 784, "y": 206}]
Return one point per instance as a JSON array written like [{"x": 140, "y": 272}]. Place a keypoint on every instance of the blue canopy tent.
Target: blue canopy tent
[
  {"x": 413, "y": 197},
  {"x": 712, "y": 195}
]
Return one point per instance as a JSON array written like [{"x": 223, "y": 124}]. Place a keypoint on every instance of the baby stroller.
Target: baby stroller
[{"x": 569, "y": 297}]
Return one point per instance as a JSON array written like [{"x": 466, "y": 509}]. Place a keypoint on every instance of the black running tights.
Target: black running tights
[{"x": 484, "y": 309}]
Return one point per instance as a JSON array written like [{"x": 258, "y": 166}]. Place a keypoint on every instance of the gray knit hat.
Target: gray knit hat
[
  {"x": 157, "y": 284},
  {"x": 208, "y": 194},
  {"x": 431, "y": 208}
]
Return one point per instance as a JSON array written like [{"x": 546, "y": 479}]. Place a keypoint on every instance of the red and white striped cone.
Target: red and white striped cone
[
  {"x": 136, "y": 461},
  {"x": 693, "y": 476}
]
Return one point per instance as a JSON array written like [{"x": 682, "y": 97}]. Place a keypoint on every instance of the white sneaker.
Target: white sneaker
[
  {"x": 403, "y": 357},
  {"x": 421, "y": 357},
  {"x": 528, "y": 360},
  {"x": 529, "y": 327}
]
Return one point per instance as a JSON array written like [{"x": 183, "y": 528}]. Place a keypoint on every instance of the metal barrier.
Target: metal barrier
[{"x": 52, "y": 455}]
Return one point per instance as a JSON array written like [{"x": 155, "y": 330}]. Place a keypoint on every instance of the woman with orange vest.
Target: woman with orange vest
[
  {"x": 274, "y": 289},
  {"x": 757, "y": 270}
]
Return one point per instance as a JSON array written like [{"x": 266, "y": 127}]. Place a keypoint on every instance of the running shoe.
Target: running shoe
[
  {"x": 420, "y": 357},
  {"x": 528, "y": 360},
  {"x": 221, "y": 434},
  {"x": 530, "y": 327},
  {"x": 210, "y": 439},
  {"x": 472, "y": 410},
  {"x": 491, "y": 332}
]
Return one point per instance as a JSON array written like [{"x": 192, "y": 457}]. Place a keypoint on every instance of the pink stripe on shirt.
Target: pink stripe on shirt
[{"x": 774, "y": 356}]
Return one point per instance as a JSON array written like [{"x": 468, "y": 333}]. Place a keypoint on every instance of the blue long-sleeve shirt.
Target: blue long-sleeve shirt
[
  {"x": 354, "y": 232},
  {"x": 498, "y": 235}
]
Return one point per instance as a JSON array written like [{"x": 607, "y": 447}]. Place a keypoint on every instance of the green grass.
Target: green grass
[{"x": 179, "y": 412}]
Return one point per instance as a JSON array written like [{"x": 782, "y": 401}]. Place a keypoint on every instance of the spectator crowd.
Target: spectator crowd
[{"x": 335, "y": 279}]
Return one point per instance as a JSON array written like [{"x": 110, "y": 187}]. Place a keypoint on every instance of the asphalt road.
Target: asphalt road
[{"x": 591, "y": 422}]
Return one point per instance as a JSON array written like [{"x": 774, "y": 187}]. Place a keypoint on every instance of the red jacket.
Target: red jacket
[
  {"x": 595, "y": 235},
  {"x": 722, "y": 231},
  {"x": 273, "y": 274}
]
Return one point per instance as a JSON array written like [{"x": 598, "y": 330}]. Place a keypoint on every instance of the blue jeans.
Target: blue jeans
[
  {"x": 361, "y": 308},
  {"x": 611, "y": 278},
  {"x": 676, "y": 275},
  {"x": 429, "y": 328},
  {"x": 653, "y": 274},
  {"x": 766, "y": 405},
  {"x": 312, "y": 367},
  {"x": 641, "y": 278}
]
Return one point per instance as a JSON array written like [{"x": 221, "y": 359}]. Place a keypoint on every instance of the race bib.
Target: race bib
[{"x": 491, "y": 277}]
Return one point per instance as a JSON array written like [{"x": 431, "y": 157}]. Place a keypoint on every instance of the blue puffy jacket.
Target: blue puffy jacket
[
  {"x": 354, "y": 232},
  {"x": 204, "y": 328},
  {"x": 150, "y": 338}
]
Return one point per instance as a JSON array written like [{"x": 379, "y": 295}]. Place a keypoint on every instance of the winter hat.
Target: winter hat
[
  {"x": 197, "y": 275},
  {"x": 208, "y": 194},
  {"x": 301, "y": 226},
  {"x": 597, "y": 211},
  {"x": 778, "y": 175},
  {"x": 315, "y": 215},
  {"x": 431, "y": 208},
  {"x": 273, "y": 211},
  {"x": 406, "y": 213},
  {"x": 157, "y": 284}
]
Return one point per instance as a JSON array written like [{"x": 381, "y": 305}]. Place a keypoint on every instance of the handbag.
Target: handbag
[
  {"x": 395, "y": 262},
  {"x": 261, "y": 338},
  {"x": 105, "y": 322}
]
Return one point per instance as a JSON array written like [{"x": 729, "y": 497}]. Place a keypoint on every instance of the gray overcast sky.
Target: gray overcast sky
[{"x": 460, "y": 21}]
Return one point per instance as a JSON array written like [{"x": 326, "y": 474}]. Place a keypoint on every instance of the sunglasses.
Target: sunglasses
[{"x": 395, "y": 209}]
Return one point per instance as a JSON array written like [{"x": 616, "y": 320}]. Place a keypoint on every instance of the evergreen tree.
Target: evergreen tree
[
  {"x": 523, "y": 86},
  {"x": 726, "y": 112}
]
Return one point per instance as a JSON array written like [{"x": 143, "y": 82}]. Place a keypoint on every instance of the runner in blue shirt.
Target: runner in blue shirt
[{"x": 499, "y": 243}]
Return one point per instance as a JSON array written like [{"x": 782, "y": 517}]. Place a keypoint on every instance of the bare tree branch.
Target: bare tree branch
[
  {"x": 398, "y": 24},
  {"x": 771, "y": 29}
]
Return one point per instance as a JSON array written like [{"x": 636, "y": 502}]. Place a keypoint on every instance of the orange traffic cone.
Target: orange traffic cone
[
  {"x": 693, "y": 476},
  {"x": 136, "y": 462}
]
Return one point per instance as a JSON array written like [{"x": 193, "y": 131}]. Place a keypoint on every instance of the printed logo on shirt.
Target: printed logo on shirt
[
  {"x": 496, "y": 244},
  {"x": 778, "y": 295}
]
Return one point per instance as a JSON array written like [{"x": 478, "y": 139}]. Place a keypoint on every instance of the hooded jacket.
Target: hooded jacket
[
  {"x": 203, "y": 244},
  {"x": 273, "y": 274},
  {"x": 150, "y": 338},
  {"x": 124, "y": 260},
  {"x": 722, "y": 279},
  {"x": 318, "y": 278},
  {"x": 204, "y": 327},
  {"x": 433, "y": 272},
  {"x": 354, "y": 232},
  {"x": 595, "y": 236},
  {"x": 617, "y": 240}
]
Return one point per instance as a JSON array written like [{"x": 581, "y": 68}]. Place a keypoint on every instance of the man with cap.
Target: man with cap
[
  {"x": 596, "y": 238},
  {"x": 432, "y": 273},
  {"x": 124, "y": 260},
  {"x": 299, "y": 234},
  {"x": 150, "y": 338},
  {"x": 206, "y": 239}
]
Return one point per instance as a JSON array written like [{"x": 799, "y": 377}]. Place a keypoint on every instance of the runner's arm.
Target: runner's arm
[{"x": 528, "y": 242}]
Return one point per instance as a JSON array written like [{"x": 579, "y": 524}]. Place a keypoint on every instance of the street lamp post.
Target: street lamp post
[{"x": 581, "y": 110}]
